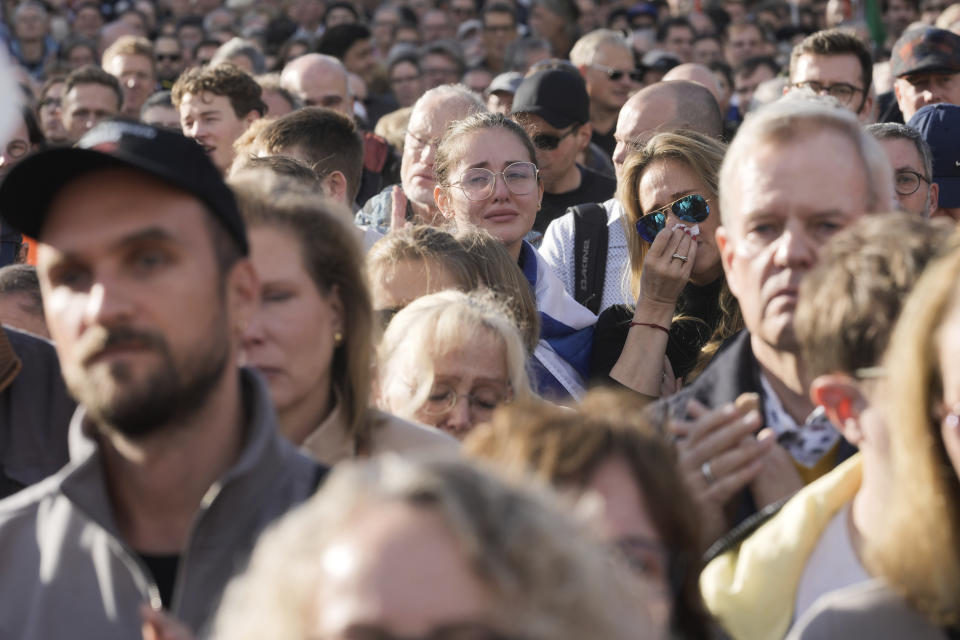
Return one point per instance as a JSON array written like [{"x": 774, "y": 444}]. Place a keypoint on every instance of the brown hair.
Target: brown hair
[
  {"x": 222, "y": 80},
  {"x": 917, "y": 550},
  {"x": 328, "y": 141},
  {"x": 90, "y": 74},
  {"x": 564, "y": 447},
  {"x": 448, "y": 151},
  {"x": 129, "y": 46},
  {"x": 333, "y": 258},
  {"x": 836, "y": 42},
  {"x": 849, "y": 302}
]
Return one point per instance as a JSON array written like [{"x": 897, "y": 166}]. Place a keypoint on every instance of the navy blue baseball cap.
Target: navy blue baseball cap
[
  {"x": 939, "y": 125},
  {"x": 30, "y": 187}
]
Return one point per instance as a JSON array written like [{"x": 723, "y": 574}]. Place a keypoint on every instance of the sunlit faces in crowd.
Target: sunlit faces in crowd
[
  {"x": 449, "y": 359},
  {"x": 916, "y": 191},
  {"x": 612, "y": 76},
  {"x": 920, "y": 89},
  {"x": 662, "y": 184},
  {"x": 489, "y": 179},
  {"x": 291, "y": 338},
  {"x": 117, "y": 248},
  {"x": 48, "y": 111},
  {"x": 137, "y": 79},
  {"x": 84, "y": 105},
  {"x": 318, "y": 81},
  {"x": 211, "y": 120},
  {"x": 406, "y": 82},
  {"x": 839, "y": 76},
  {"x": 168, "y": 55},
  {"x": 785, "y": 201}
]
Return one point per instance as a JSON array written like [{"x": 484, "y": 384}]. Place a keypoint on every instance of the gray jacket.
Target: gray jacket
[{"x": 66, "y": 573}]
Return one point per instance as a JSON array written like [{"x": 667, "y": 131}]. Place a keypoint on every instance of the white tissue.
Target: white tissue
[{"x": 694, "y": 230}]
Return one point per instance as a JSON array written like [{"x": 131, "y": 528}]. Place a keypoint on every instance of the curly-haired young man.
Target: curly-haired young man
[{"x": 216, "y": 105}]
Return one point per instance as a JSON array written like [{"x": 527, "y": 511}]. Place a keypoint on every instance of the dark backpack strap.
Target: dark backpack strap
[{"x": 589, "y": 254}]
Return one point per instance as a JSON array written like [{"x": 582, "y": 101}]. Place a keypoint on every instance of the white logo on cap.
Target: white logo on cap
[{"x": 113, "y": 131}]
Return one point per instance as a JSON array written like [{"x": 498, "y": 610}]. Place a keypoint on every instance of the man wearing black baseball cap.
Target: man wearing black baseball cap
[
  {"x": 176, "y": 464},
  {"x": 553, "y": 107},
  {"x": 939, "y": 126},
  {"x": 926, "y": 64}
]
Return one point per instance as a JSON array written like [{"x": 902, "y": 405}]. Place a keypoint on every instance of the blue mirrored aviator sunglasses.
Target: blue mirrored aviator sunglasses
[{"x": 691, "y": 208}]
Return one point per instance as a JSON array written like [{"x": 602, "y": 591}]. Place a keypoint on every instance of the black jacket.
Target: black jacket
[{"x": 733, "y": 371}]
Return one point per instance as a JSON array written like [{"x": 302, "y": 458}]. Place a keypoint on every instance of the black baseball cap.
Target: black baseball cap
[
  {"x": 30, "y": 187},
  {"x": 558, "y": 96}
]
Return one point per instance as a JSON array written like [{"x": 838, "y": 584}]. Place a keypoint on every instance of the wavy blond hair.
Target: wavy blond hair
[
  {"x": 548, "y": 579},
  {"x": 704, "y": 155},
  {"x": 918, "y": 548}
]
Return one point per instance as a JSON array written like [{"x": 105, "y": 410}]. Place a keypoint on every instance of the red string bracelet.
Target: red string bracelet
[{"x": 650, "y": 324}]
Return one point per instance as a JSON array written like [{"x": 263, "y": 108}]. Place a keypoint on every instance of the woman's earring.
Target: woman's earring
[{"x": 337, "y": 338}]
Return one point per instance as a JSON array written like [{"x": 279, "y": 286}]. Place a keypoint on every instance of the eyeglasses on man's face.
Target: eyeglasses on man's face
[
  {"x": 907, "y": 181},
  {"x": 842, "y": 91},
  {"x": 479, "y": 183},
  {"x": 617, "y": 74}
]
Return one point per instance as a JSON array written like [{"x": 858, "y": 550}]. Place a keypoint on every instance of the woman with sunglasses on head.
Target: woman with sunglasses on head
[
  {"x": 487, "y": 177},
  {"x": 684, "y": 308}
]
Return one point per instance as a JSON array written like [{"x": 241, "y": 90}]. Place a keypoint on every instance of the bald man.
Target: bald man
[
  {"x": 664, "y": 106},
  {"x": 318, "y": 81},
  {"x": 698, "y": 73}
]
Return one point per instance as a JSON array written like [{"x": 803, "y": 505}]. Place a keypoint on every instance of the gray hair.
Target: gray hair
[
  {"x": 794, "y": 116},
  {"x": 585, "y": 49},
  {"x": 453, "y": 93},
  {"x": 895, "y": 130},
  {"x": 22, "y": 278},
  {"x": 239, "y": 47}
]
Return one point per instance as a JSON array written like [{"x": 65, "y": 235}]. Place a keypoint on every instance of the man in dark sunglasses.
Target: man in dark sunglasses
[
  {"x": 168, "y": 55},
  {"x": 553, "y": 108},
  {"x": 606, "y": 63}
]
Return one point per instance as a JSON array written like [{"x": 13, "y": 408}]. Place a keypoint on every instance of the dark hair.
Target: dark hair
[
  {"x": 500, "y": 7},
  {"x": 836, "y": 42},
  {"x": 403, "y": 55},
  {"x": 749, "y": 66},
  {"x": 90, "y": 74},
  {"x": 34, "y": 132},
  {"x": 885, "y": 4},
  {"x": 719, "y": 66},
  {"x": 22, "y": 278},
  {"x": 450, "y": 50},
  {"x": 337, "y": 40},
  {"x": 663, "y": 29},
  {"x": 72, "y": 43},
  {"x": 329, "y": 140},
  {"x": 520, "y": 48},
  {"x": 206, "y": 42},
  {"x": 223, "y": 80},
  {"x": 340, "y": 4}
]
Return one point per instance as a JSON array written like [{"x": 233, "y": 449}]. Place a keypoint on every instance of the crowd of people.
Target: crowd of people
[{"x": 466, "y": 320}]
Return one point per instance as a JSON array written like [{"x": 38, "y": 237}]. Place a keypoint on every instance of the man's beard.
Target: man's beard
[{"x": 114, "y": 398}]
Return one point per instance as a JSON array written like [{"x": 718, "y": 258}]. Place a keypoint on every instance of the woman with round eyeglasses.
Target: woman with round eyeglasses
[
  {"x": 684, "y": 308},
  {"x": 487, "y": 177},
  {"x": 449, "y": 359}
]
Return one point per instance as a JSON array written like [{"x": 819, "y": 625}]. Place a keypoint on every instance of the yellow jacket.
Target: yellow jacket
[{"x": 751, "y": 590}]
